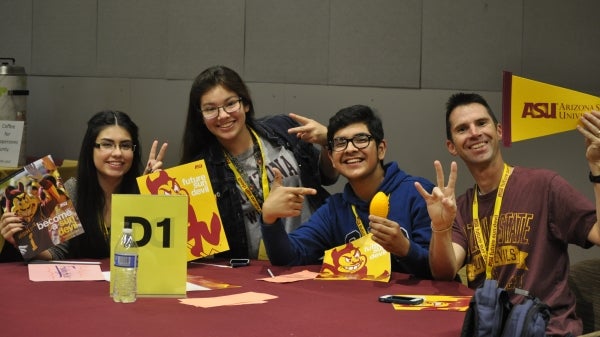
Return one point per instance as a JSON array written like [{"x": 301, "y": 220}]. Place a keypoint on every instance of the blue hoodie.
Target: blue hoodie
[{"x": 334, "y": 224}]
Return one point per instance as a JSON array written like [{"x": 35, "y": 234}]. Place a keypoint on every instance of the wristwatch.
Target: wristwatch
[{"x": 594, "y": 179}]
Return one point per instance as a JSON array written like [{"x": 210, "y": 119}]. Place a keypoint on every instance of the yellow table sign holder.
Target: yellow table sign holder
[{"x": 159, "y": 225}]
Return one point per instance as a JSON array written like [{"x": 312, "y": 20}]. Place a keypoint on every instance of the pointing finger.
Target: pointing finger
[
  {"x": 297, "y": 130},
  {"x": 305, "y": 191},
  {"x": 300, "y": 119}
]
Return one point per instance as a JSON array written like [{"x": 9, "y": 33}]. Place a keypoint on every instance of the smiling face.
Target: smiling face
[
  {"x": 227, "y": 127},
  {"x": 113, "y": 163},
  {"x": 353, "y": 163},
  {"x": 475, "y": 138}
]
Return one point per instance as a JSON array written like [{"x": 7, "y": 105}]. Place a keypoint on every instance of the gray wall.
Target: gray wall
[{"x": 312, "y": 57}]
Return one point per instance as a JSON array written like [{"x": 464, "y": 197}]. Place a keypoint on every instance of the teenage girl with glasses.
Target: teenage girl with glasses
[{"x": 240, "y": 151}]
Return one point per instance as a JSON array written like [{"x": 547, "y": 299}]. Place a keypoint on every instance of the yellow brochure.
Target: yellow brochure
[
  {"x": 205, "y": 229},
  {"x": 361, "y": 259},
  {"x": 437, "y": 303}
]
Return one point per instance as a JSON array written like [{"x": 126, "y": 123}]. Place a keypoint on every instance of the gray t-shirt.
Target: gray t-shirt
[{"x": 284, "y": 160}]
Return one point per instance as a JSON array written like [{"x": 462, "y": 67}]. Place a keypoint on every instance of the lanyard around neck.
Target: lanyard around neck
[
  {"x": 359, "y": 222},
  {"x": 488, "y": 254},
  {"x": 262, "y": 167}
]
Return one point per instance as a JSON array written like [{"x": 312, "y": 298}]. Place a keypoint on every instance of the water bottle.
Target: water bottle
[{"x": 125, "y": 267}]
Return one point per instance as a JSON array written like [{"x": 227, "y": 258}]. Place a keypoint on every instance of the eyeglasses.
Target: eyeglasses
[
  {"x": 229, "y": 107},
  {"x": 360, "y": 141},
  {"x": 110, "y": 147}
]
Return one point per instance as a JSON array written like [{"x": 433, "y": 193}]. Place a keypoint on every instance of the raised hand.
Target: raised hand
[
  {"x": 309, "y": 130},
  {"x": 441, "y": 203},
  {"x": 155, "y": 160},
  {"x": 283, "y": 201},
  {"x": 589, "y": 127}
]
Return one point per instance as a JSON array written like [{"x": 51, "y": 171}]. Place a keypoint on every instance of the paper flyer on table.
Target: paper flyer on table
[
  {"x": 64, "y": 272},
  {"x": 361, "y": 259},
  {"x": 436, "y": 303},
  {"x": 250, "y": 297}
]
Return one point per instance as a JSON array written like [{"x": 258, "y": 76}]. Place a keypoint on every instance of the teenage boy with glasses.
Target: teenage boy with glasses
[{"x": 356, "y": 148}]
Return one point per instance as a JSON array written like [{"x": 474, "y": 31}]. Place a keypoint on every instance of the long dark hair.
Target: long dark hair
[
  {"x": 90, "y": 197},
  {"x": 196, "y": 135}
]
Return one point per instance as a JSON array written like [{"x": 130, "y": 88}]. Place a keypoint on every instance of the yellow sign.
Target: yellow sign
[
  {"x": 205, "y": 229},
  {"x": 160, "y": 229},
  {"x": 532, "y": 109},
  {"x": 361, "y": 259}
]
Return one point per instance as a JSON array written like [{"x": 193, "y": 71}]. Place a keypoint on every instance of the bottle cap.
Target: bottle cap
[{"x": 127, "y": 230}]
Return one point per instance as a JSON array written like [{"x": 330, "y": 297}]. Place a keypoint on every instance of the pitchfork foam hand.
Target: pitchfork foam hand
[{"x": 380, "y": 205}]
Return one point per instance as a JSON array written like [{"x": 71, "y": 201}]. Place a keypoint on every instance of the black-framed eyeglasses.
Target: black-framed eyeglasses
[
  {"x": 229, "y": 107},
  {"x": 360, "y": 141},
  {"x": 110, "y": 146}
]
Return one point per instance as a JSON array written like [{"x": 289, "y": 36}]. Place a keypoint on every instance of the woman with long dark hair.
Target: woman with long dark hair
[
  {"x": 109, "y": 162},
  {"x": 240, "y": 152}
]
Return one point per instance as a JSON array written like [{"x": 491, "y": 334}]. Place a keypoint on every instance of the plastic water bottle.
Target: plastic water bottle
[{"x": 125, "y": 267}]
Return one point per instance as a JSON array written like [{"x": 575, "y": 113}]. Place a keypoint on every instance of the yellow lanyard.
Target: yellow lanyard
[
  {"x": 359, "y": 222},
  {"x": 104, "y": 229},
  {"x": 242, "y": 183},
  {"x": 488, "y": 255}
]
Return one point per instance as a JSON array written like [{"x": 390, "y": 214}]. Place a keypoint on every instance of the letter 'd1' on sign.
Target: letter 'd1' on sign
[{"x": 159, "y": 225}]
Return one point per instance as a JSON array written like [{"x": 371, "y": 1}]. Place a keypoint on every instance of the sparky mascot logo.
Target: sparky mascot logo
[
  {"x": 36, "y": 204},
  {"x": 348, "y": 262},
  {"x": 197, "y": 229}
]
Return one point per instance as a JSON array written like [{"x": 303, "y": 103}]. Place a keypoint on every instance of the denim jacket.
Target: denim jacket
[{"x": 275, "y": 130}]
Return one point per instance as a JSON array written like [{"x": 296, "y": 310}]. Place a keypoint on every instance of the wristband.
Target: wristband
[
  {"x": 441, "y": 230},
  {"x": 594, "y": 179}
]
